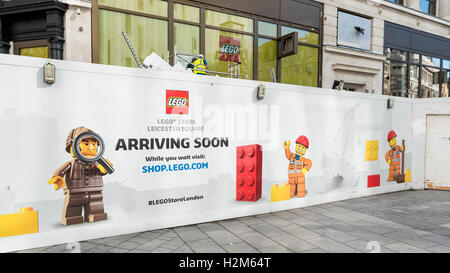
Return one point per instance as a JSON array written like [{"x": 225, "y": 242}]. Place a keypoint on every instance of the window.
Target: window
[
  {"x": 186, "y": 41},
  {"x": 430, "y": 82},
  {"x": 234, "y": 45},
  {"x": 428, "y": 6},
  {"x": 267, "y": 29},
  {"x": 40, "y": 51},
  {"x": 186, "y": 13},
  {"x": 304, "y": 36},
  {"x": 144, "y": 33},
  {"x": 354, "y": 31},
  {"x": 413, "y": 82},
  {"x": 267, "y": 59},
  {"x": 155, "y": 7},
  {"x": 426, "y": 76},
  {"x": 232, "y": 22},
  {"x": 303, "y": 67},
  {"x": 395, "y": 78},
  {"x": 220, "y": 60},
  {"x": 400, "y": 2},
  {"x": 36, "y": 48}
]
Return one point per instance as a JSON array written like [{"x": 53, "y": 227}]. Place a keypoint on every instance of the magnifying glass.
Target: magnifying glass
[{"x": 93, "y": 151}]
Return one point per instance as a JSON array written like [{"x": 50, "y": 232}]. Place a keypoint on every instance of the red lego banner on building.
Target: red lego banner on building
[
  {"x": 229, "y": 49},
  {"x": 177, "y": 102}
]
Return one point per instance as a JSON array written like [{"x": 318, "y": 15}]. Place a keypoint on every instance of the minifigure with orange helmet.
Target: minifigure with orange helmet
[
  {"x": 393, "y": 156},
  {"x": 298, "y": 165}
]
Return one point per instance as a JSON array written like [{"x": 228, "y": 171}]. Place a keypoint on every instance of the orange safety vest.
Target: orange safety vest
[
  {"x": 296, "y": 165},
  {"x": 394, "y": 156}
]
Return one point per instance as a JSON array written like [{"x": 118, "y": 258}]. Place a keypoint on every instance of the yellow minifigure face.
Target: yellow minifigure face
[
  {"x": 393, "y": 142},
  {"x": 88, "y": 147},
  {"x": 300, "y": 149}
]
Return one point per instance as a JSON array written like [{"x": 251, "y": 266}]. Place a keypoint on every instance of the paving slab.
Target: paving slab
[
  {"x": 293, "y": 243},
  {"x": 162, "y": 250},
  {"x": 267, "y": 229},
  {"x": 371, "y": 236},
  {"x": 368, "y": 246},
  {"x": 223, "y": 237},
  {"x": 331, "y": 246},
  {"x": 205, "y": 246},
  {"x": 257, "y": 240},
  {"x": 118, "y": 250},
  {"x": 315, "y": 250},
  {"x": 275, "y": 249},
  {"x": 274, "y": 220},
  {"x": 183, "y": 249},
  {"x": 235, "y": 226},
  {"x": 241, "y": 247},
  {"x": 190, "y": 233},
  {"x": 439, "y": 249},
  {"x": 405, "y": 248},
  {"x": 250, "y": 220},
  {"x": 300, "y": 232},
  {"x": 335, "y": 234},
  {"x": 151, "y": 245},
  {"x": 210, "y": 227},
  {"x": 128, "y": 245}
]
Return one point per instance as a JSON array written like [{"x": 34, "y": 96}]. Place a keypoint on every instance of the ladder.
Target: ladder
[
  {"x": 133, "y": 52},
  {"x": 234, "y": 69}
]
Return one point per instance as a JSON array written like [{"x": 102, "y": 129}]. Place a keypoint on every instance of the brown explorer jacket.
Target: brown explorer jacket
[{"x": 80, "y": 177}]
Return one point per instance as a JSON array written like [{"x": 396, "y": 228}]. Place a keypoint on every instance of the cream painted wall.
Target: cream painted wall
[
  {"x": 77, "y": 46},
  {"x": 444, "y": 9}
]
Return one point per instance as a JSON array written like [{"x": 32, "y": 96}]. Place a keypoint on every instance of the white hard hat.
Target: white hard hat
[{"x": 201, "y": 56}]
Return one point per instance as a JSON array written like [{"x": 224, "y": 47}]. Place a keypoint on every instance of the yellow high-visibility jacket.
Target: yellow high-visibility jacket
[{"x": 199, "y": 65}]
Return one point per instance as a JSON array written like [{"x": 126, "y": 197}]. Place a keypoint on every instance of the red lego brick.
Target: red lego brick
[
  {"x": 248, "y": 172},
  {"x": 373, "y": 181}
]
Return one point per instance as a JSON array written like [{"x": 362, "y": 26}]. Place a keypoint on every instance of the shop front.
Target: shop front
[
  {"x": 417, "y": 64},
  {"x": 238, "y": 40}
]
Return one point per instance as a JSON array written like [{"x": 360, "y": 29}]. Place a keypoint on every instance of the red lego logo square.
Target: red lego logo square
[
  {"x": 373, "y": 181},
  {"x": 177, "y": 102}
]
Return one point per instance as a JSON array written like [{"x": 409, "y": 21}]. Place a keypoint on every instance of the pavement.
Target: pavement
[{"x": 407, "y": 221}]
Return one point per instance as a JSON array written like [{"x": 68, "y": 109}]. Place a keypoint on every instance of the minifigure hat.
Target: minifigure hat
[
  {"x": 73, "y": 134},
  {"x": 303, "y": 141},
  {"x": 391, "y": 135}
]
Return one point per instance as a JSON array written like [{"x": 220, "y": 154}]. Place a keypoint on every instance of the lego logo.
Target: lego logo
[
  {"x": 229, "y": 49},
  {"x": 177, "y": 102}
]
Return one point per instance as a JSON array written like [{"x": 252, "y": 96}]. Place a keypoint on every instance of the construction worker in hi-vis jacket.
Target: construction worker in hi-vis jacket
[
  {"x": 298, "y": 165},
  {"x": 393, "y": 156},
  {"x": 200, "y": 65}
]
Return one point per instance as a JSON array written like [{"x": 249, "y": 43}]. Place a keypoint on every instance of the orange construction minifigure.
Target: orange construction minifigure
[
  {"x": 393, "y": 156},
  {"x": 298, "y": 165}
]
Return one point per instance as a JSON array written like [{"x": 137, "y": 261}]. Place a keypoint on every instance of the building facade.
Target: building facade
[{"x": 392, "y": 47}]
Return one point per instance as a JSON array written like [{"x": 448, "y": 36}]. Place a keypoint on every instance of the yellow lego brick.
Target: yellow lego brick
[
  {"x": 24, "y": 222},
  {"x": 280, "y": 193},
  {"x": 408, "y": 175},
  {"x": 371, "y": 150}
]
